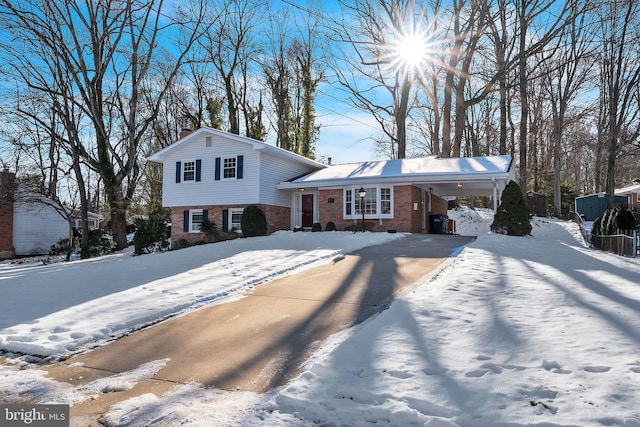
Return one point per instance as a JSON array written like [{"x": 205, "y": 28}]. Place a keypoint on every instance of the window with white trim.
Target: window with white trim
[
  {"x": 377, "y": 203},
  {"x": 235, "y": 219},
  {"x": 189, "y": 171},
  {"x": 195, "y": 220},
  {"x": 229, "y": 168},
  {"x": 385, "y": 201}
]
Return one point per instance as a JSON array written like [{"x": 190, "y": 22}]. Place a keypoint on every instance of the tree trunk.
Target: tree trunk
[{"x": 524, "y": 101}]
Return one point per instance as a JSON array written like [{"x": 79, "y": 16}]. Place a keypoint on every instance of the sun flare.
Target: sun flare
[{"x": 411, "y": 51}]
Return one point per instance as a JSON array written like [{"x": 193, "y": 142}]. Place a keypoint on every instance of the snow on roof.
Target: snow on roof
[
  {"x": 415, "y": 168},
  {"x": 257, "y": 145},
  {"x": 629, "y": 189}
]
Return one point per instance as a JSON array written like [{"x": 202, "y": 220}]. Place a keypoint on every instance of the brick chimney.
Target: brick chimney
[
  {"x": 184, "y": 132},
  {"x": 7, "y": 187}
]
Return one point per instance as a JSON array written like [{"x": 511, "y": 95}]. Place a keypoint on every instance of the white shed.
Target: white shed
[{"x": 36, "y": 225}]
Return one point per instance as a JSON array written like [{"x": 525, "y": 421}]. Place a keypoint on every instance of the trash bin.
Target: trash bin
[{"x": 437, "y": 223}]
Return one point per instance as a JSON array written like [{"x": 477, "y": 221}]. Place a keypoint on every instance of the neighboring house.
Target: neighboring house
[
  {"x": 93, "y": 219},
  {"x": 632, "y": 193},
  {"x": 29, "y": 224},
  {"x": 213, "y": 175}
]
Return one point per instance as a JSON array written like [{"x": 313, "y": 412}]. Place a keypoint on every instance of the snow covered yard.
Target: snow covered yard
[
  {"x": 57, "y": 309},
  {"x": 538, "y": 331}
]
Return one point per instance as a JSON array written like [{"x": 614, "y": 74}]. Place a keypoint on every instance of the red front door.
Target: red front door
[{"x": 307, "y": 210}]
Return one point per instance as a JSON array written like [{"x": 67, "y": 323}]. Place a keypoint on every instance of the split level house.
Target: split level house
[{"x": 213, "y": 175}]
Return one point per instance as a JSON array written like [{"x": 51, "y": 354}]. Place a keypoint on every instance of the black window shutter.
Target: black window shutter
[
  {"x": 198, "y": 168},
  {"x": 217, "y": 168},
  {"x": 178, "y": 171},
  {"x": 205, "y": 215},
  {"x": 185, "y": 221},
  {"x": 240, "y": 165},
  {"x": 225, "y": 220}
]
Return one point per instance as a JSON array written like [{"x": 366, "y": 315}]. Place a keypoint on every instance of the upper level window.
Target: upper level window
[
  {"x": 189, "y": 171},
  {"x": 229, "y": 167},
  {"x": 377, "y": 202}
]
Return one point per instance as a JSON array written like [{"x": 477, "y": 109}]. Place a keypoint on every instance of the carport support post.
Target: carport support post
[{"x": 495, "y": 196}]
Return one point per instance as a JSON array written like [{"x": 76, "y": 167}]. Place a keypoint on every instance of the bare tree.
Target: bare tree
[
  {"x": 278, "y": 70},
  {"x": 565, "y": 77},
  {"x": 230, "y": 45},
  {"x": 371, "y": 66},
  {"x": 108, "y": 48},
  {"x": 309, "y": 66},
  {"x": 621, "y": 80}
]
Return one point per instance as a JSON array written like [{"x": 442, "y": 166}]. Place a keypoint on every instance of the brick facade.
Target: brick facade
[
  {"x": 7, "y": 187},
  {"x": 278, "y": 218},
  {"x": 407, "y": 210}
]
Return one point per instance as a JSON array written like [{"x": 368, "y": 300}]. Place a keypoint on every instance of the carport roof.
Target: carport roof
[{"x": 470, "y": 176}]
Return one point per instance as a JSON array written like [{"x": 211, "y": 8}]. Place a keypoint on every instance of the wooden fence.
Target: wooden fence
[{"x": 625, "y": 243}]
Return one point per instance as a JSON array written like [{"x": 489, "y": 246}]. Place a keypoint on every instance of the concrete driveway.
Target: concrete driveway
[{"x": 260, "y": 341}]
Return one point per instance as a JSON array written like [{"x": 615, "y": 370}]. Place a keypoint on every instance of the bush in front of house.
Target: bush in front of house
[
  {"x": 63, "y": 247},
  {"x": 253, "y": 222},
  {"x": 210, "y": 229},
  {"x": 355, "y": 227},
  {"x": 100, "y": 243},
  {"x": 151, "y": 236},
  {"x": 512, "y": 217},
  {"x": 316, "y": 227},
  {"x": 331, "y": 226}
]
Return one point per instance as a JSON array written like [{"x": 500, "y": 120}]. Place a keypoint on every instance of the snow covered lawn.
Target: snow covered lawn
[
  {"x": 515, "y": 331},
  {"x": 57, "y": 309}
]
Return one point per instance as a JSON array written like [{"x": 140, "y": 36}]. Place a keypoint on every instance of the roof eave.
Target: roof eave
[{"x": 407, "y": 179}]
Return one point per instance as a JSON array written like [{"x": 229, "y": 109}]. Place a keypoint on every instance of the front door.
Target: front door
[{"x": 307, "y": 210}]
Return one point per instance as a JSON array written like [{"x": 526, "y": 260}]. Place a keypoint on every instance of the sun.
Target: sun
[{"x": 411, "y": 51}]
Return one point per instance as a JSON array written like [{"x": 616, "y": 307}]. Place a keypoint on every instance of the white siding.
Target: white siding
[
  {"x": 209, "y": 191},
  {"x": 36, "y": 227},
  {"x": 273, "y": 171},
  {"x": 262, "y": 172}
]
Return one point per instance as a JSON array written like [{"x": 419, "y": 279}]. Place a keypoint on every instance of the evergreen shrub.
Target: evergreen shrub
[
  {"x": 316, "y": 227},
  {"x": 512, "y": 217},
  {"x": 100, "y": 243},
  {"x": 253, "y": 222},
  {"x": 151, "y": 236},
  {"x": 331, "y": 226}
]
